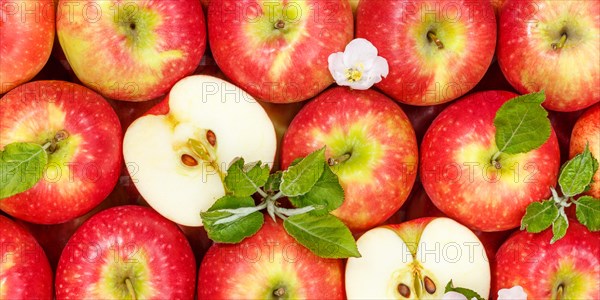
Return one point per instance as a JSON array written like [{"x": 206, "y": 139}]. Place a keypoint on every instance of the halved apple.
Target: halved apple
[
  {"x": 416, "y": 260},
  {"x": 178, "y": 154}
]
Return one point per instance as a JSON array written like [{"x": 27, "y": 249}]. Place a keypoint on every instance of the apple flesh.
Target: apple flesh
[
  {"x": 24, "y": 269},
  {"x": 278, "y": 50},
  {"x": 542, "y": 44},
  {"x": 268, "y": 265},
  {"x": 416, "y": 260},
  {"x": 436, "y": 50},
  {"x": 82, "y": 169},
  {"x": 132, "y": 51},
  {"x": 27, "y": 34},
  {"x": 370, "y": 145},
  {"x": 587, "y": 132},
  {"x": 567, "y": 269},
  {"x": 126, "y": 252},
  {"x": 459, "y": 177},
  {"x": 177, "y": 180}
]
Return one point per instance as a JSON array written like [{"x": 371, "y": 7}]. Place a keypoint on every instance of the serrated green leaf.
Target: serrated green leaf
[
  {"x": 21, "y": 167},
  {"x": 325, "y": 236},
  {"x": 470, "y": 294},
  {"x": 539, "y": 216},
  {"x": 559, "y": 228},
  {"x": 577, "y": 173},
  {"x": 588, "y": 212},
  {"x": 522, "y": 124},
  {"x": 273, "y": 182},
  {"x": 245, "y": 179},
  {"x": 326, "y": 195},
  {"x": 299, "y": 179},
  {"x": 234, "y": 231}
]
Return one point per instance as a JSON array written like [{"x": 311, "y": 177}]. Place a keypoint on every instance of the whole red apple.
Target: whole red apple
[
  {"x": 26, "y": 35},
  {"x": 82, "y": 168},
  {"x": 277, "y": 51},
  {"x": 459, "y": 177},
  {"x": 567, "y": 269},
  {"x": 370, "y": 145},
  {"x": 126, "y": 252},
  {"x": 587, "y": 132},
  {"x": 552, "y": 46},
  {"x": 134, "y": 50},
  {"x": 268, "y": 265},
  {"x": 24, "y": 269},
  {"x": 437, "y": 50}
]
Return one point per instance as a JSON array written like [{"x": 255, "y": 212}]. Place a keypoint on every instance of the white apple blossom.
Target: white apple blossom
[
  {"x": 455, "y": 296},
  {"x": 514, "y": 293},
  {"x": 358, "y": 66}
]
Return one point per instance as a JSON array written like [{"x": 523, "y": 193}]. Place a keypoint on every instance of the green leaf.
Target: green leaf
[
  {"x": 577, "y": 173},
  {"x": 234, "y": 231},
  {"x": 522, "y": 124},
  {"x": 470, "y": 294},
  {"x": 539, "y": 216},
  {"x": 326, "y": 195},
  {"x": 299, "y": 179},
  {"x": 325, "y": 236},
  {"x": 21, "y": 167},
  {"x": 273, "y": 182},
  {"x": 245, "y": 179},
  {"x": 588, "y": 212},
  {"x": 559, "y": 228}
]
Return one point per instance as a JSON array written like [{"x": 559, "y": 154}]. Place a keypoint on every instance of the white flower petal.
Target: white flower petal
[
  {"x": 363, "y": 84},
  {"x": 359, "y": 51},
  {"x": 453, "y": 296},
  {"x": 381, "y": 66},
  {"x": 515, "y": 293}
]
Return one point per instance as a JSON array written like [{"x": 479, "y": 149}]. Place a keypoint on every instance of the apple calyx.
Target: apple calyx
[
  {"x": 279, "y": 293},
  {"x": 561, "y": 43},
  {"x": 432, "y": 37},
  {"x": 575, "y": 178},
  {"x": 280, "y": 24},
  {"x": 522, "y": 125},
  {"x": 130, "y": 288},
  {"x": 310, "y": 186}
]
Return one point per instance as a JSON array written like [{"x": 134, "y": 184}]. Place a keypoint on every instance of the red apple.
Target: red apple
[
  {"x": 371, "y": 146},
  {"x": 24, "y": 269},
  {"x": 126, "y": 252},
  {"x": 27, "y": 34},
  {"x": 458, "y": 176},
  {"x": 552, "y": 46},
  {"x": 587, "y": 132},
  {"x": 133, "y": 50},
  {"x": 277, "y": 50},
  {"x": 82, "y": 169},
  {"x": 437, "y": 50},
  {"x": 268, "y": 265},
  {"x": 567, "y": 269}
]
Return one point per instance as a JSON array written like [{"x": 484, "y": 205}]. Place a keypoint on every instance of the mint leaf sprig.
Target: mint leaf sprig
[
  {"x": 575, "y": 177},
  {"x": 310, "y": 186}
]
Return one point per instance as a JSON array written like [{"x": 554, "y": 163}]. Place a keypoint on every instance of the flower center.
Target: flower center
[{"x": 353, "y": 74}]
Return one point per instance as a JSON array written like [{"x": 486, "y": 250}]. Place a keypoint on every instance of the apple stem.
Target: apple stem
[
  {"x": 130, "y": 288},
  {"x": 279, "y": 293},
  {"x": 280, "y": 24},
  {"x": 559, "y": 292},
  {"x": 494, "y": 161},
  {"x": 333, "y": 161},
  {"x": 59, "y": 136},
  {"x": 435, "y": 39},
  {"x": 561, "y": 42}
]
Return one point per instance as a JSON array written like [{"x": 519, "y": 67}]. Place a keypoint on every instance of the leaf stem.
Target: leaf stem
[{"x": 277, "y": 196}]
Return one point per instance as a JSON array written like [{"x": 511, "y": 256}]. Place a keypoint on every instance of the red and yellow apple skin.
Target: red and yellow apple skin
[
  {"x": 133, "y": 51},
  {"x": 420, "y": 72},
  {"x": 24, "y": 269},
  {"x": 268, "y": 261},
  {"x": 587, "y": 132},
  {"x": 529, "y": 260},
  {"x": 375, "y": 132},
  {"x": 570, "y": 76},
  {"x": 85, "y": 166},
  {"x": 457, "y": 174},
  {"x": 126, "y": 242},
  {"x": 279, "y": 65},
  {"x": 27, "y": 35}
]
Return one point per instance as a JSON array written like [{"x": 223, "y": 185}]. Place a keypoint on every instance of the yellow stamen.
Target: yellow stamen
[{"x": 353, "y": 75}]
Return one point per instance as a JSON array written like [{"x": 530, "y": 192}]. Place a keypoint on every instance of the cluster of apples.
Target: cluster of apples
[{"x": 119, "y": 118}]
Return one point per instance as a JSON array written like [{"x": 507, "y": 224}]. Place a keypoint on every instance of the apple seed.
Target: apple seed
[
  {"x": 429, "y": 285},
  {"x": 189, "y": 160},
  {"x": 211, "y": 137},
  {"x": 404, "y": 290}
]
